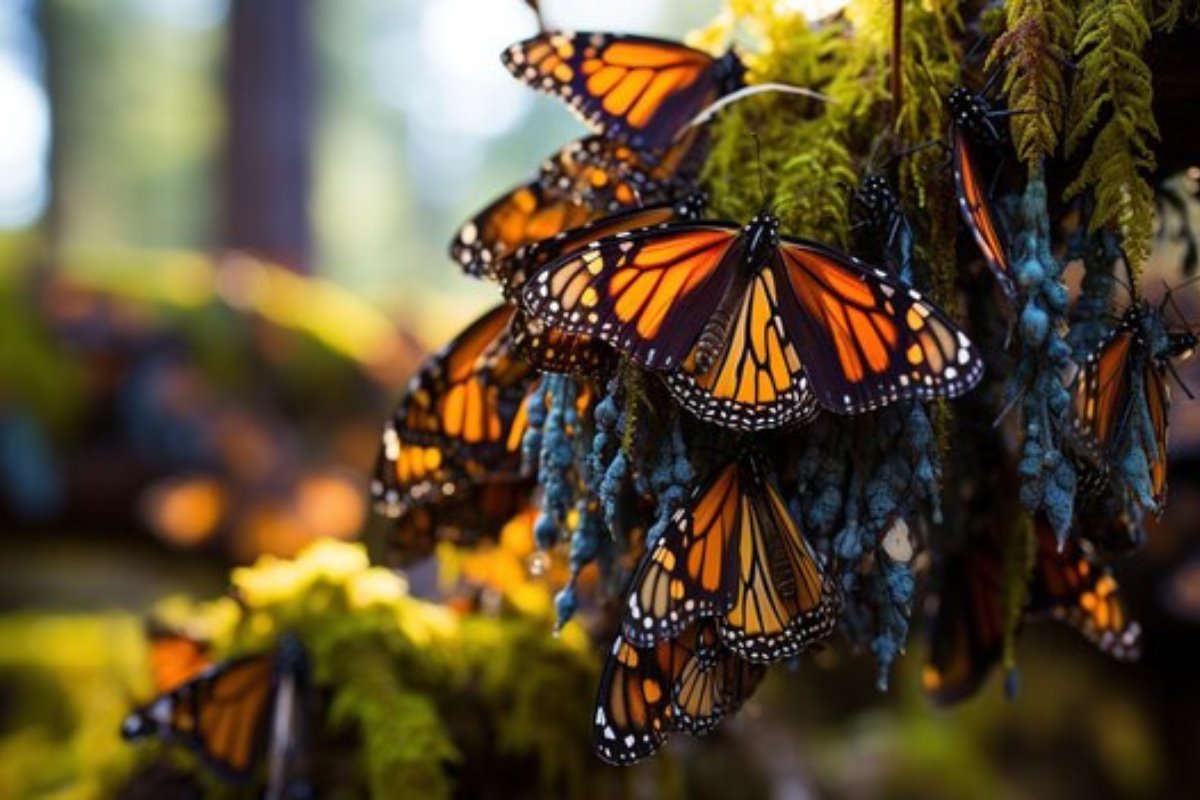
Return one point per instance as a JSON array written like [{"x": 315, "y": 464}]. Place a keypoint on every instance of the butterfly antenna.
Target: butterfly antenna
[
  {"x": 1169, "y": 297},
  {"x": 1178, "y": 379},
  {"x": 536, "y": 6}
]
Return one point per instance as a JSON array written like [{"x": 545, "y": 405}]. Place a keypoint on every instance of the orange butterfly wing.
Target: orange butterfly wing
[
  {"x": 864, "y": 339},
  {"x": 648, "y": 293},
  {"x": 688, "y": 573},
  {"x": 978, "y": 215},
  {"x": 176, "y": 657},
  {"x": 222, "y": 714},
  {"x": 756, "y": 381},
  {"x": 966, "y": 635},
  {"x": 637, "y": 90},
  {"x": 782, "y": 604},
  {"x": 1074, "y": 586}
]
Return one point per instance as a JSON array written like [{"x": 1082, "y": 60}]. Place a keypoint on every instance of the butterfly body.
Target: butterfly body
[
  {"x": 753, "y": 329},
  {"x": 882, "y": 232}
]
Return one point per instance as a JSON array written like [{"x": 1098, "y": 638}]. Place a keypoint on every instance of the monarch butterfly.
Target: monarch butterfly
[
  {"x": 879, "y": 226},
  {"x": 971, "y": 128},
  {"x": 687, "y": 683},
  {"x": 968, "y": 628},
  {"x": 753, "y": 329},
  {"x": 1129, "y": 368},
  {"x": 461, "y": 418},
  {"x": 235, "y": 712},
  {"x": 1074, "y": 586},
  {"x": 634, "y": 89},
  {"x": 581, "y": 182},
  {"x": 734, "y": 553}
]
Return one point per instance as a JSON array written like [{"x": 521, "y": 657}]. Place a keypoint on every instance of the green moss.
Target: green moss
[
  {"x": 811, "y": 150},
  {"x": 408, "y": 684}
]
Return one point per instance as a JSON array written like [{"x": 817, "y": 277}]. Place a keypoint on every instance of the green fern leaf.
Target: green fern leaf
[{"x": 1111, "y": 107}]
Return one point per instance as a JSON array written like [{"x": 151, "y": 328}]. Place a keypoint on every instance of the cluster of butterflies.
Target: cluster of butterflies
[
  {"x": 605, "y": 258},
  {"x": 236, "y": 715}
]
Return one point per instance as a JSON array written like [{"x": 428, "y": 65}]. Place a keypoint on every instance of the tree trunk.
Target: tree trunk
[{"x": 268, "y": 84}]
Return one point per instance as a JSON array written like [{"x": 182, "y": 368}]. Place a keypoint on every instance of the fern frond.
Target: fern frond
[
  {"x": 1113, "y": 90},
  {"x": 1035, "y": 44}
]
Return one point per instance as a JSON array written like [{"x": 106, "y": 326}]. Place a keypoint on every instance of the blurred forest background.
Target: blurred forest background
[{"x": 222, "y": 252}]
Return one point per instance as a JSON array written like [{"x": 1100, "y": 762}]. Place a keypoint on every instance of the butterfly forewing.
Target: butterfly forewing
[
  {"x": 688, "y": 573},
  {"x": 637, "y": 90},
  {"x": 528, "y": 213},
  {"x": 175, "y": 657},
  {"x": 633, "y": 706},
  {"x": 966, "y": 633},
  {"x": 978, "y": 214},
  {"x": 222, "y": 714},
  {"x": 460, "y": 420},
  {"x": 648, "y": 293},
  {"x": 864, "y": 339}
]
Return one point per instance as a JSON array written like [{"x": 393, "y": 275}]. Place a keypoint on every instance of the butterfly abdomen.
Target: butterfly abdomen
[{"x": 712, "y": 337}]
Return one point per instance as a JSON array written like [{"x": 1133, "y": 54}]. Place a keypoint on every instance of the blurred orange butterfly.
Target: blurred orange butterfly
[
  {"x": 734, "y": 553},
  {"x": 687, "y": 683},
  {"x": 461, "y": 418},
  {"x": 637, "y": 90},
  {"x": 753, "y": 329},
  {"x": 1071, "y": 585},
  {"x": 234, "y": 713}
]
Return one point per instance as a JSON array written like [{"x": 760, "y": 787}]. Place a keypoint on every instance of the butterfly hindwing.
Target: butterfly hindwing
[
  {"x": 755, "y": 382},
  {"x": 686, "y": 683},
  {"x": 782, "y": 604},
  {"x": 688, "y": 573}
]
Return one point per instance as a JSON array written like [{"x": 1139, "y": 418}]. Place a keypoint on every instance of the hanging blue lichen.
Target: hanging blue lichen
[
  {"x": 556, "y": 460},
  {"x": 1047, "y": 477}
]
